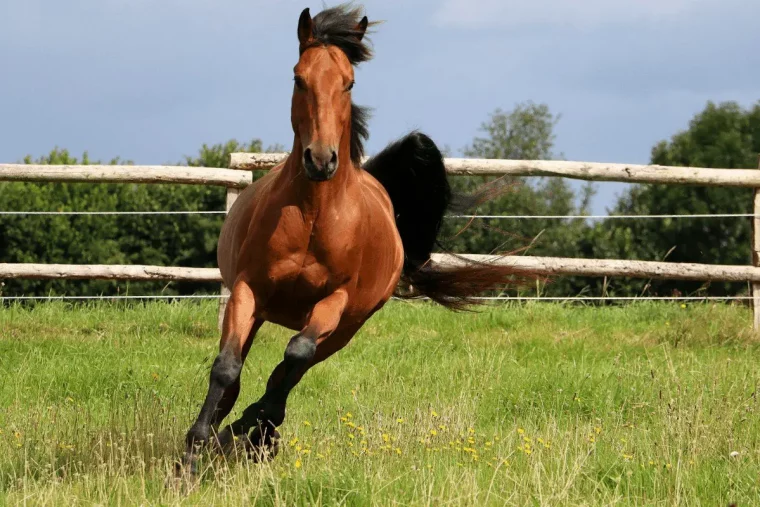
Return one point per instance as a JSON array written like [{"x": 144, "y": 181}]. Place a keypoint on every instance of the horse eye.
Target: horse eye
[
  {"x": 300, "y": 84},
  {"x": 350, "y": 86}
]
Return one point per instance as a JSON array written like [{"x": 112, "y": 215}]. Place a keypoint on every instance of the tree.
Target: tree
[
  {"x": 168, "y": 240},
  {"x": 722, "y": 136},
  {"x": 524, "y": 133}
]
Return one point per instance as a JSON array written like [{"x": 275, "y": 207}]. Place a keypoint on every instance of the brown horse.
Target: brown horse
[{"x": 320, "y": 243}]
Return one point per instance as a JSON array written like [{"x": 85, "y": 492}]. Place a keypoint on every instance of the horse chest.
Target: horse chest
[{"x": 307, "y": 264}]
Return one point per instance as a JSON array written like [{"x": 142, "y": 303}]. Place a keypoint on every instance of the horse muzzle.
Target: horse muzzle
[{"x": 320, "y": 164}]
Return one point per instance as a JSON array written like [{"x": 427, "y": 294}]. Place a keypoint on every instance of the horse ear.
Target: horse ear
[
  {"x": 305, "y": 32},
  {"x": 362, "y": 27}
]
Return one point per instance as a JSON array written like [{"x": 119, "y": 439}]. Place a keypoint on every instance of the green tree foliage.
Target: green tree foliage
[
  {"x": 524, "y": 133},
  {"x": 723, "y": 135},
  {"x": 165, "y": 240}
]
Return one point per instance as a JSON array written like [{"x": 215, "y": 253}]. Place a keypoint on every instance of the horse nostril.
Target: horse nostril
[
  {"x": 334, "y": 158},
  {"x": 307, "y": 156}
]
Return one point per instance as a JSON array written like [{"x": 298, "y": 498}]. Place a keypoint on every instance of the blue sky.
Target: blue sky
[{"x": 151, "y": 80}]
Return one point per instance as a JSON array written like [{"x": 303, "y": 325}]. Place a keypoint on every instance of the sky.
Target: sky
[{"x": 152, "y": 80}]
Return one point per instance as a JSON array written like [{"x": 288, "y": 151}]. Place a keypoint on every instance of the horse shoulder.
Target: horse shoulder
[{"x": 237, "y": 222}]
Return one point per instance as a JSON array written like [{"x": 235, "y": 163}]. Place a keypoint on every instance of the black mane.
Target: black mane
[{"x": 337, "y": 26}]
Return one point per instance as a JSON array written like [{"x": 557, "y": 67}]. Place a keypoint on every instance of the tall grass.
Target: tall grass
[{"x": 651, "y": 403}]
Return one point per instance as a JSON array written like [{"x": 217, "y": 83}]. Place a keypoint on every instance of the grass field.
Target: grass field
[{"x": 537, "y": 404}]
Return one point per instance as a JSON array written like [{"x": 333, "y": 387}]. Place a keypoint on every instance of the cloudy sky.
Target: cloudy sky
[{"x": 151, "y": 80}]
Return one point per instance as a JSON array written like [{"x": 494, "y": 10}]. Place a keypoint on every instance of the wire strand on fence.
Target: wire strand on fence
[
  {"x": 50, "y": 298},
  {"x": 521, "y": 217},
  {"x": 113, "y": 212},
  {"x": 502, "y": 217},
  {"x": 484, "y": 298}
]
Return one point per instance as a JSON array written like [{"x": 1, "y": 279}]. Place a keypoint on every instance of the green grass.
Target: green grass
[{"x": 536, "y": 404}]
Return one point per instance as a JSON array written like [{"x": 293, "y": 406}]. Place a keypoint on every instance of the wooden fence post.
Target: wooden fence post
[
  {"x": 232, "y": 194},
  {"x": 756, "y": 255}
]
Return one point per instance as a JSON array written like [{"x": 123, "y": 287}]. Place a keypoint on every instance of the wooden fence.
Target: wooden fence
[{"x": 239, "y": 176}]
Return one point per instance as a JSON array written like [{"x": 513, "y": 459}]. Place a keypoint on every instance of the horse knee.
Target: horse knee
[
  {"x": 300, "y": 350},
  {"x": 226, "y": 369}
]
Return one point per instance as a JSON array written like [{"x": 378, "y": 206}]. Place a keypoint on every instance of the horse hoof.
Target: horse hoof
[
  {"x": 188, "y": 465},
  {"x": 264, "y": 444},
  {"x": 225, "y": 440}
]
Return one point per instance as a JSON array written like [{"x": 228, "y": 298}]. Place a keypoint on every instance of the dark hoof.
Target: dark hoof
[
  {"x": 224, "y": 440},
  {"x": 264, "y": 444},
  {"x": 185, "y": 477},
  {"x": 187, "y": 465}
]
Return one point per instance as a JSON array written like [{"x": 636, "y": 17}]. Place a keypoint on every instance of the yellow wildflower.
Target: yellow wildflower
[{"x": 298, "y": 463}]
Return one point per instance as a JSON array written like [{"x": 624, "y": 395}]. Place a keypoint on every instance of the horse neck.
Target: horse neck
[{"x": 312, "y": 196}]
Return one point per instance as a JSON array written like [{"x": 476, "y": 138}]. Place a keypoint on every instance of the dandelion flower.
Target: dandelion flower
[
  {"x": 298, "y": 463},
  {"x": 520, "y": 431},
  {"x": 433, "y": 413},
  {"x": 400, "y": 420},
  {"x": 306, "y": 423}
]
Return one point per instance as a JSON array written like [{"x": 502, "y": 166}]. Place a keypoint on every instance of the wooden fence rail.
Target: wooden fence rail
[
  {"x": 590, "y": 171},
  {"x": 126, "y": 174},
  {"x": 551, "y": 266}
]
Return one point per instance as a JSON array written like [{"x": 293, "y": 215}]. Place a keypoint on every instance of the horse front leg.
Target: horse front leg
[
  {"x": 237, "y": 331},
  {"x": 303, "y": 351}
]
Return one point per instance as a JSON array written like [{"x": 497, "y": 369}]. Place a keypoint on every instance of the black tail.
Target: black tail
[{"x": 413, "y": 173}]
